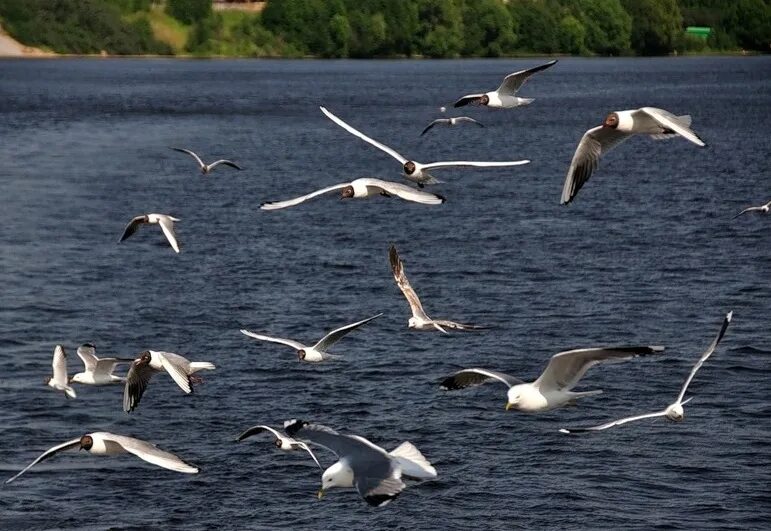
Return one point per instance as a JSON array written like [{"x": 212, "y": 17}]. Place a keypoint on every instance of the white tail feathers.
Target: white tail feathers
[
  {"x": 525, "y": 101},
  {"x": 198, "y": 365},
  {"x": 70, "y": 392},
  {"x": 412, "y": 462}
]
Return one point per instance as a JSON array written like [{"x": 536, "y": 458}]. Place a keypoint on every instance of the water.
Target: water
[{"x": 647, "y": 254}]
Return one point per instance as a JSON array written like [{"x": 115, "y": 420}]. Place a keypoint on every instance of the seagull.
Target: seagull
[
  {"x": 317, "y": 352},
  {"x": 284, "y": 443},
  {"x": 151, "y": 362},
  {"x": 413, "y": 170},
  {"x": 419, "y": 319},
  {"x": 206, "y": 168},
  {"x": 104, "y": 443},
  {"x": 673, "y": 411},
  {"x": 166, "y": 223},
  {"x": 504, "y": 97},
  {"x": 617, "y": 127},
  {"x": 450, "y": 121},
  {"x": 362, "y": 188},
  {"x": 553, "y": 387},
  {"x": 99, "y": 371},
  {"x": 59, "y": 379},
  {"x": 373, "y": 472},
  {"x": 763, "y": 209}
]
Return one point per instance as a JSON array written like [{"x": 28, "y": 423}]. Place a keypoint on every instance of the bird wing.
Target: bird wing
[
  {"x": 474, "y": 164},
  {"x": 513, "y": 82},
  {"x": 749, "y": 209},
  {"x": 177, "y": 367},
  {"x": 288, "y": 342},
  {"x": 397, "y": 268},
  {"x": 107, "y": 365},
  {"x": 59, "y": 366},
  {"x": 225, "y": 162},
  {"x": 618, "y": 422},
  {"x": 668, "y": 120},
  {"x": 305, "y": 447},
  {"x": 458, "y": 326},
  {"x": 336, "y": 335},
  {"x": 275, "y": 205},
  {"x": 132, "y": 227},
  {"x": 468, "y": 98},
  {"x": 468, "y": 119},
  {"x": 376, "y": 489},
  {"x": 257, "y": 429},
  {"x": 343, "y": 446},
  {"x": 137, "y": 380},
  {"x": 150, "y": 453},
  {"x": 707, "y": 353},
  {"x": 472, "y": 377},
  {"x": 403, "y": 191},
  {"x": 74, "y": 443},
  {"x": 89, "y": 358},
  {"x": 595, "y": 143},
  {"x": 196, "y": 157},
  {"x": 432, "y": 124},
  {"x": 566, "y": 368},
  {"x": 364, "y": 137},
  {"x": 167, "y": 226}
]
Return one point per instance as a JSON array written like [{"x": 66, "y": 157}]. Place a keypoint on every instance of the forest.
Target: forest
[{"x": 390, "y": 28}]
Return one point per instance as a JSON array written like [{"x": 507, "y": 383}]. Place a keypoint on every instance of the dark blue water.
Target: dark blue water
[{"x": 647, "y": 254}]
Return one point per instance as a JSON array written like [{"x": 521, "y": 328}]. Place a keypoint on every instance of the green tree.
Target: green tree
[
  {"x": 537, "y": 21},
  {"x": 189, "y": 11},
  {"x": 572, "y": 35},
  {"x": 608, "y": 26},
  {"x": 440, "y": 31},
  {"x": 488, "y": 29},
  {"x": 340, "y": 33},
  {"x": 657, "y": 25},
  {"x": 751, "y": 23}
]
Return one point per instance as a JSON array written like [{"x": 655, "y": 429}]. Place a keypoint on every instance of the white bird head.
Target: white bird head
[
  {"x": 412, "y": 323},
  {"x": 338, "y": 475},
  {"x": 514, "y": 397},
  {"x": 675, "y": 412}
]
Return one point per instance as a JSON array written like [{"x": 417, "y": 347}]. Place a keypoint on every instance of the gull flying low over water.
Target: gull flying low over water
[
  {"x": 206, "y": 168},
  {"x": 673, "y": 411},
  {"x": 283, "y": 442},
  {"x": 317, "y": 352},
  {"x": 553, "y": 387},
  {"x": 762, "y": 209},
  {"x": 420, "y": 320},
  {"x": 99, "y": 371},
  {"x": 373, "y": 472},
  {"x": 151, "y": 362},
  {"x": 104, "y": 443},
  {"x": 166, "y": 223},
  {"x": 363, "y": 188},
  {"x": 59, "y": 378},
  {"x": 617, "y": 127},
  {"x": 413, "y": 170},
  {"x": 450, "y": 122},
  {"x": 505, "y": 96}
]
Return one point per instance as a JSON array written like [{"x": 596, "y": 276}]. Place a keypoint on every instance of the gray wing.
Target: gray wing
[
  {"x": 397, "y": 268},
  {"x": 595, "y": 143},
  {"x": 137, "y": 380},
  {"x": 335, "y": 335},
  {"x": 74, "y": 443},
  {"x": 150, "y": 453},
  {"x": 133, "y": 226},
  {"x": 107, "y": 365},
  {"x": 513, "y": 82},
  {"x": 667, "y": 120},
  {"x": 707, "y": 353},
  {"x": 258, "y": 429},
  {"x": 224, "y": 162},
  {"x": 613, "y": 423},
  {"x": 458, "y": 326},
  {"x": 364, "y": 137},
  {"x": 343, "y": 446},
  {"x": 178, "y": 368},
  {"x": 288, "y": 342},
  {"x": 750, "y": 209},
  {"x": 432, "y": 124},
  {"x": 167, "y": 226},
  {"x": 468, "y": 98},
  {"x": 380, "y": 484},
  {"x": 566, "y": 368},
  {"x": 472, "y": 377},
  {"x": 86, "y": 353},
  {"x": 275, "y": 205},
  {"x": 59, "y": 366},
  {"x": 196, "y": 157},
  {"x": 468, "y": 119},
  {"x": 403, "y": 191}
]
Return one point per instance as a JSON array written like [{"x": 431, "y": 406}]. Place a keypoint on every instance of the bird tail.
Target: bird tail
[
  {"x": 70, "y": 392},
  {"x": 525, "y": 101},
  {"x": 412, "y": 462},
  {"x": 199, "y": 365}
]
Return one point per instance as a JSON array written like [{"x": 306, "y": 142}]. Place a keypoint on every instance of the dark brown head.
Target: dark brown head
[
  {"x": 611, "y": 120},
  {"x": 278, "y": 443},
  {"x": 86, "y": 442},
  {"x": 301, "y": 354},
  {"x": 347, "y": 192},
  {"x": 145, "y": 357},
  {"x": 409, "y": 167},
  {"x": 88, "y": 345},
  {"x": 484, "y": 100},
  {"x": 47, "y": 379}
]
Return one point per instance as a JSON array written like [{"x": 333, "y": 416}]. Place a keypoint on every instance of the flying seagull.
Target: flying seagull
[
  {"x": 166, "y": 223},
  {"x": 373, "y": 472},
  {"x": 151, "y": 362},
  {"x": 505, "y": 96},
  {"x": 206, "y": 168},
  {"x": 450, "y": 121},
  {"x": 413, "y": 170},
  {"x": 419, "y": 319},
  {"x": 104, "y": 443},
  {"x": 553, "y": 387},
  {"x": 318, "y": 351},
  {"x": 673, "y": 411},
  {"x": 617, "y": 127},
  {"x": 362, "y": 188},
  {"x": 59, "y": 378},
  {"x": 99, "y": 371},
  {"x": 283, "y": 442},
  {"x": 763, "y": 209}
]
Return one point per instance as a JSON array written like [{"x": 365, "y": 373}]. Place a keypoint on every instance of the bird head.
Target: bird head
[
  {"x": 86, "y": 442},
  {"x": 484, "y": 100},
  {"x": 347, "y": 192},
  {"x": 410, "y": 167},
  {"x": 513, "y": 397},
  {"x": 301, "y": 354},
  {"x": 611, "y": 120}
]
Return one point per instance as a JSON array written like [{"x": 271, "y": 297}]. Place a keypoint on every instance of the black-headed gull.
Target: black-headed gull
[
  {"x": 420, "y": 320},
  {"x": 762, "y": 209},
  {"x": 450, "y": 122},
  {"x": 166, "y": 223},
  {"x": 59, "y": 378},
  {"x": 673, "y": 411},
  {"x": 373, "y": 472},
  {"x": 318, "y": 351},
  {"x": 104, "y": 443},
  {"x": 98, "y": 371},
  {"x": 282, "y": 442},
  {"x": 553, "y": 387},
  {"x": 617, "y": 127},
  {"x": 206, "y": 168},
  {"x": 413, "y": 170},
  {"x": 505, "y": 96}
]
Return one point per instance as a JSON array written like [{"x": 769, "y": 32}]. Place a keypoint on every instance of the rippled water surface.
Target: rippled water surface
[{"x": 647, "y": 254}]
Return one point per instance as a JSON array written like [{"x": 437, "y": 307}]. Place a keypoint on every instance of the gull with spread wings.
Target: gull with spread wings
[
  {"x": 762, "y": 209},
  {"x": 505, "y": 96},
  {"x": 206, "y": 168},
  {"x": 282, "y": 442},
  {"x": 59, "y": 378},
  {"x": 455, "y": 120},
  {"x": 166, "y": 223},
  {"x": 98, "y": 371}
]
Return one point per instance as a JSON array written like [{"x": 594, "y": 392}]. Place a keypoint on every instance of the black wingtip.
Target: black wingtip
[
  {"x": 378, "y": 500},
  {"x": 294, "y": 426},
  {"x": 443, "y": 198}
]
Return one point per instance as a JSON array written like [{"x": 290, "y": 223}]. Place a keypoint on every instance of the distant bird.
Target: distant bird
[
  {"x": 283, "y": 442},
  {"x": 617, "y": 127},
  {"x": 763, "y": 209},
  {"x": 99, "y": 371},
  {"x": 166, "y": 223},
  {"x": 59, "y": 378},
  {"x": 373, "y": 472},
  {"x": 450, "y": 121},
  {"x": 504, "y": 97},
  {"x": 419, "y": 319},
  {"x": 673, "y": 411},
  {"x": 415, "y": 171},
  {"x": 363, "y": 188},
  {"x": 206, "y": 168},
  {"x": 553, "y": 387},
  {"x": 104, "y": 443},
  {"x": 151, "y": 362},
  {"x": 318, "y": 351}
]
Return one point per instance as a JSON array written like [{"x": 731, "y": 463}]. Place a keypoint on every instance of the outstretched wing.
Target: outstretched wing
[
  {"x": 474, "y": 164},
  {"x": 472, "y": 377},
  {"x": 613, "y": 423},
  {"x": 74, "y": 443},
  {"x": 224, "y": 162},
  {"x": 196, "y": 157},
  {"x": 403, "y": 191},
  {"x": 458, "y": 326},
  {"x": 167, "y": 226},
  {"x": 336, "y": 335},
  {"x": 87, "y": 354},
  {"x": 364, "y": 137},
  {"x": 137, "y": 380},
  {"x": 513, "y": 82},
  {"x": 177, "y": 367},
  {"x": 133, "y": 226},
  {"x": 432, "y": 124},
  {"x": 707, "y": 353},
  {"x": 397, "y": 268},
  {"x": 468, "y": 98},
  {"x": 150, "y": 453},
  {"x": 750, "y": 209},
  {"x": 275, "y": 205},
  {"x": 59, "y": 365},
  {"x": 288, "y": 342},
  {"x": 668, "y": 120}
]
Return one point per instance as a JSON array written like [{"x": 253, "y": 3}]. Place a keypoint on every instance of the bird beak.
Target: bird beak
[
  {"x": 321, "y": 493},
  {"x": 509, "y": 405}
]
